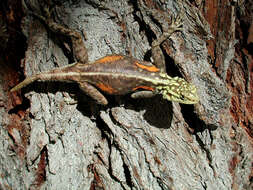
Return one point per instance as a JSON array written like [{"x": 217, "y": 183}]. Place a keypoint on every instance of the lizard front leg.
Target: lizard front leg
[
  {"x": 157, "y": 54},
  {"x": 79, "y": 49}
]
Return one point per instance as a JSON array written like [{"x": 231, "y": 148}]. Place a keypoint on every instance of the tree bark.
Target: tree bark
[{"x": 54, "y": 137}]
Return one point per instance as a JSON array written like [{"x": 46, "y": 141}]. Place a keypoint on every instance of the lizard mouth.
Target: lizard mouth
[
  {"x": 189, "y": 95},
  {"x": 189, "y": 99}
]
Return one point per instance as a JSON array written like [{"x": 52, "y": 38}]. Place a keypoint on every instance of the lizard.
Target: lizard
[{"x": 117, "y": 74}]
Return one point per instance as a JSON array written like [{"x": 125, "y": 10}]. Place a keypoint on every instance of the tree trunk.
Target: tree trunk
[{"x": 55, "y": 137}]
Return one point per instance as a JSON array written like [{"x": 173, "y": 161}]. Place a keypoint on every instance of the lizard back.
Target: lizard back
[{"x": 118, "y": 74}]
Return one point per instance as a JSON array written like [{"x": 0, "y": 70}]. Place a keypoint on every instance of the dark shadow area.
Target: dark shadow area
[
  {"x": 24, "y": 106},
  {"x": 250, "y": 48},
  {"x": 193, "y": 121},
  {"x": 171, "y": 68},
  {"x": 12, "y": 41},
  {"x": 197, "y": 126},
  {"x": 148, "y": 55},
  {"x": 158, "y": 112},
  {"x": 13, "y": 46}
]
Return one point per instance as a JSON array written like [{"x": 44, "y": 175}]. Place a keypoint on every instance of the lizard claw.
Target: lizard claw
[
  {"x": 179, "y": 19},
  {"x": 37, "y": 16},
  {"x": 47, "y": 12},
  {"x": 177, "y": 22},
  {"x": 175, "y": 25}
]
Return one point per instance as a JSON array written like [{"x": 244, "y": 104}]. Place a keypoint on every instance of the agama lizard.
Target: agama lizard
[{"x": 118, "y": 74}]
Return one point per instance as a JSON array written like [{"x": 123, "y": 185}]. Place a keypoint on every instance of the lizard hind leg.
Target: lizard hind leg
[
  {"x": 142, "y": 94},
  {"x": 93, "y": 93},
  {"x": 79, "y": 50}
]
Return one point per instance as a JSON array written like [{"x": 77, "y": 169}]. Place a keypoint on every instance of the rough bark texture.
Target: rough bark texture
[{"x": 47, "y": 141}]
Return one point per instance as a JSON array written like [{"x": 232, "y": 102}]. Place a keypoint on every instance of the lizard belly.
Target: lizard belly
[{"x": 119, "y": 85}]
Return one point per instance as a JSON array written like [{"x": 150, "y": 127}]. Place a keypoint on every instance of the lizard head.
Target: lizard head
[{"x": 178, "y": 90}]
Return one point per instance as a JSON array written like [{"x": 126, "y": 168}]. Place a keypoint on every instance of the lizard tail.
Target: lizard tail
[
  {"x": 25, "y": 83},
  {"x": 58, "y": 74}
]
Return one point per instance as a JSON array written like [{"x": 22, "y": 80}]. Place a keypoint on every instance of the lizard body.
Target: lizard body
[
  {"x": 120, "y": 75},
  {"x": 117, "y": 74}
]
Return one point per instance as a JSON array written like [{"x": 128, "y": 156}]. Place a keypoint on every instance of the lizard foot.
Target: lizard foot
[
  {"x": 176, "y": 23},
  {"x": 46, "y": 12}
]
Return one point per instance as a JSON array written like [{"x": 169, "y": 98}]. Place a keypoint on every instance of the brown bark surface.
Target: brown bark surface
[{"x": 54, "y": 137}]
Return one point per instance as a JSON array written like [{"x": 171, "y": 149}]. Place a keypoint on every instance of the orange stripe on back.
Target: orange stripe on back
[
  {"x": 106, "y": 88},
  {"x": 148, "y": 68},
  {"x": 109, "y": 58},
  {"x": 143, "y": 87}
]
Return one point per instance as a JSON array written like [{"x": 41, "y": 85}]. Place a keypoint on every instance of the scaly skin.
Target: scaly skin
[{"x": 118, "y": 74}]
